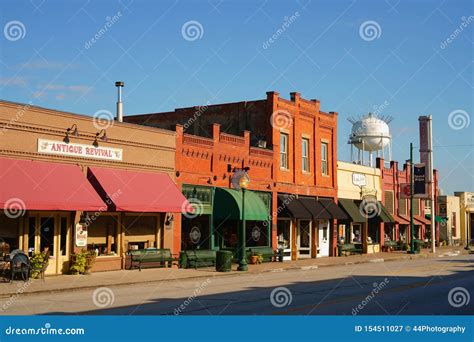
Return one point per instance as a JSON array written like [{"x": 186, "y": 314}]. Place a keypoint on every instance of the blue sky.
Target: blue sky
[{"x": 405, "y": 64}]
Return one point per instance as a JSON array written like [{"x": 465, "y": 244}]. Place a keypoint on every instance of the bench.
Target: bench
[
  {"x": 267, "y": 253},
  {"x": 151, "y": 256},
  {"x": 349, "y": 248},
  {"x": 392, "y": 244},
  {"x": 200, "y": 258}
]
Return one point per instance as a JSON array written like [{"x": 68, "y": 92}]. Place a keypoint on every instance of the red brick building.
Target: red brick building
[
  {"x": 392, "y": 179},
  {"x": 290, "y": 148}
]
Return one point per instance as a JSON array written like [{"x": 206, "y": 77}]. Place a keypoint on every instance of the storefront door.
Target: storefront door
[
  {"x": 303, "y": 237},
  {"x": 323, "y": 238},
  {"x": 50, "y": 233}
]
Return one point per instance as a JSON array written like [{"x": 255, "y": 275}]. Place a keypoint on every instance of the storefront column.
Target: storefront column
[
  {"x": 158, "y": 241},
  {"x": 294, "y": 252},
  {"x": 274, "y": 220},
  {"x": 365, "y": 235},
  {"x": 382, "y": 234},
  {"x": 122, "y": 247},
  {"x": 333, "y": 237}
]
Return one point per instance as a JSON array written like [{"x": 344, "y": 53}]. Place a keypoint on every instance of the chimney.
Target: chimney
[{"x": 119, "y": 85}]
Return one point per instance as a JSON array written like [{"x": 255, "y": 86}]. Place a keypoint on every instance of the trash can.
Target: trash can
[
  {"x": 183, "y": 261},
  {"x": 223, "y": 261}
]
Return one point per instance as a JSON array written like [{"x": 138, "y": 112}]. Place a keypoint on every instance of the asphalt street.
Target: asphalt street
[{"x": 408, "y": 287}]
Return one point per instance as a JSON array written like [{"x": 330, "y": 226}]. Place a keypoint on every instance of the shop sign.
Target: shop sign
[
  {"x": 79, "y": 150},
  {"x": 358, "y": 179},
  {"x": 419, "y": 181},
  {"x": 81, "y": 235},
  {"x": 405, "y": 190}
]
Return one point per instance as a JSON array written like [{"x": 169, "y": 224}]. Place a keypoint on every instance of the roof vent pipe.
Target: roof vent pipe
[{"x": 119, "y": 85}]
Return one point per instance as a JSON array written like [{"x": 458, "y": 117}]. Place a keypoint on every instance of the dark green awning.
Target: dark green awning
[
  {"x": 384, "y": 215},
  {"x": 438, "y": 219},
  {"x": 289, "y": 206},
  {"x": 332, "y": 208},
  {"x": 315, "y": 208},
  {"x": 351, "y": 209},
  {"x": 228, "y": 206}
]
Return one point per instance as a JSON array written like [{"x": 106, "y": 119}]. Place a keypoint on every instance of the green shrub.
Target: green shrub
[
  {"x": 82, "y": 262},
  {"x": 37, "y": 262}
]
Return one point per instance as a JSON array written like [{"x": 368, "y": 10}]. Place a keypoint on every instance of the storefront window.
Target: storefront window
[
  {"x": 373, "y": 231},
  {"x": 256, "y": 234},
  {"x": 284, "y": 234},
  {"x": 64, "y": 230},
  {"x": 9, "y": 233},
  {"x": 356, "y": 235},
  {"x": 140, "y": 231},
  {"x": 102, "y": 234},
  {"x": 195, "y": 233},
  {"x": 47, "y": 235},
  {"x": 227, "y": 233}
]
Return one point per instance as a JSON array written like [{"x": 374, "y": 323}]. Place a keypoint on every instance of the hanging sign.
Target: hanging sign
[
  {"x": 79, "y": 150},
  {"x": 405, "y": 190},
  {"x": 419, "y": 181},
  {"x": 81, "y": 235},
  {"x": 358, "y": 179}
]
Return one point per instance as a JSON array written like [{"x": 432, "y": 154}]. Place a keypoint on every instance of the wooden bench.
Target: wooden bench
[
  {"x": 200, "y": 258},
  {"x": 350, "y": 248},
  {"x": 152, "y": 257},
  {"x": 267, "y": 253}
]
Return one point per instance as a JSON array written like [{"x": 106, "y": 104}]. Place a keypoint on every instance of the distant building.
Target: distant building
[
  {"x": 450, "y": 227},
  {"x": 466, "y": 213}
]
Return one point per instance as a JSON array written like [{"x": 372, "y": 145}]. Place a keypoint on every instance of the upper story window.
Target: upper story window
[
  {"x": 389, "y": 201},
  {"x": 324, "y": 159},
  {"x": 305, "y": 154},
  {"x": 284, "y": 150},
  {"x": 416, "y": 207}
]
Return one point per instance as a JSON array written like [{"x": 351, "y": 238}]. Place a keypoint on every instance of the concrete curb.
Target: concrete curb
[{"x": 223, "y": 274}]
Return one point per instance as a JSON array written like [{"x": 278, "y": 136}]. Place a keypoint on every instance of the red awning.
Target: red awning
[
  {"x": 33, "y": 185},
  {"x": 401, "y": 219},
  {"x": 134, "y": 191},
  {"x": 422, "y": 220}
]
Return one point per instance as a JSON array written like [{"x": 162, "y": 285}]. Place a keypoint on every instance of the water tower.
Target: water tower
[{"x": 370, "y": 135}]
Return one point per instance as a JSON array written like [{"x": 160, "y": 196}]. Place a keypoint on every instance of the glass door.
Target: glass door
[
  {"x": 50, "y": 233},
  {"x": 323, "y": 238},
  {"x": 304, "y": 239}
]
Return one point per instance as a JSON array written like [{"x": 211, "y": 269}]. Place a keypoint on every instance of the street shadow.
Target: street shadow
[{"x": 451, "y": 294}]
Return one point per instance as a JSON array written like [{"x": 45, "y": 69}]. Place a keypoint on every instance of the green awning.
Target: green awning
[
  {"x": 384, "y": 215},
  {"x": 351, "y": 209},
  {"x": 438, "y": 219},
  {"x": 228, "y": 205}
]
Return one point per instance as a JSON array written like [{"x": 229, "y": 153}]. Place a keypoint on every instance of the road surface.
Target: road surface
[{"x": 422, "y": 287}]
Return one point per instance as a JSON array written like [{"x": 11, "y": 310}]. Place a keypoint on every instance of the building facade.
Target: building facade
[
  {"x": 450, "y": 228},
  {"x": 466, "y": 214},
  {"x": 289, "y": 148},
  {"x": 71, "y": 182}
]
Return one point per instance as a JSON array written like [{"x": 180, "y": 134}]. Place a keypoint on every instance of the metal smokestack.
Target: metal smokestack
[{"x": 119, "y": 85}]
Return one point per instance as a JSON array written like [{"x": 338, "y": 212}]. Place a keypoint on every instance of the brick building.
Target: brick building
[
  {"x": 290, "y": 148},
  {"x": 399, "y": 208}
]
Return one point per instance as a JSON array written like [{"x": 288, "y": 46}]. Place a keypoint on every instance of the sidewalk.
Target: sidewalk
[{"x": 129, "y": 277}]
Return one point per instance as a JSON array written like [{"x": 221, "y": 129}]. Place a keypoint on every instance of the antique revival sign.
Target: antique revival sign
[
  {"x": 79, "y": 150},
  {"x": 81, "y": 235}
]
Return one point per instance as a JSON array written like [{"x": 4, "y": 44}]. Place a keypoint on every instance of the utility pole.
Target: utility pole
[{"x": 412, "y": 226}]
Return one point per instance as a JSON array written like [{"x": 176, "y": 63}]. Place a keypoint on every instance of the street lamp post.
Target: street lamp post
[
  {"x": 412, "y": 226},
  {"x": 241, "y": 181}
]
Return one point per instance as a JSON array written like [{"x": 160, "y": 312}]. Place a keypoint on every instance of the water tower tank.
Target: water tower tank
[{"x": 370, "y": 133}]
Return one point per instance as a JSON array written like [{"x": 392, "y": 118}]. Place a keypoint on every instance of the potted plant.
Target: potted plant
[
  {"x": 90, "y": 261},
  {"x": 254, "y": 258},
  {"x": 38, "y": 262}
]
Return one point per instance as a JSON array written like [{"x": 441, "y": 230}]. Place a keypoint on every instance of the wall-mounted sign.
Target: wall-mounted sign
[
  {"x": 405, "y": 190},
  {"x": 358, "y": 179},
  {"x": 81, "y": 235},
  {"x": 79, "y": 150}
]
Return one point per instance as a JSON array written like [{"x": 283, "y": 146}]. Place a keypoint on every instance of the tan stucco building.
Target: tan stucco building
[
  {"x": 466, "y": 213},
  {"x": 106, "y": 162},
  {"x": 450, "y": 227}
]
